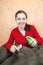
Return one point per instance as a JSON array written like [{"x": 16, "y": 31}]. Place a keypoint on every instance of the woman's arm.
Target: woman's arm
[
  {"x": 36, "y": 35},
  {"x": 10, "y": 41}
]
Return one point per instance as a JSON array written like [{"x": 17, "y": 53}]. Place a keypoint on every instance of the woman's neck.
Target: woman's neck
[
  {"x": 22, "y": 31},
  {"x": 21, "y": 28}
]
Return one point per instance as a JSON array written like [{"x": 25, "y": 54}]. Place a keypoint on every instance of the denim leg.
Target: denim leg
[{"x": 10, "y": 60}]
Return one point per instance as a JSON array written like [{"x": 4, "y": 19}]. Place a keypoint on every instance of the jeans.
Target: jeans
[{"x": 25, "y": 56}]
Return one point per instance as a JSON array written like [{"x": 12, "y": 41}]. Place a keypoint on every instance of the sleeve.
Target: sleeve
[
  {"x": 37, "y": 36},
  {"x": 9, "y": 42}
]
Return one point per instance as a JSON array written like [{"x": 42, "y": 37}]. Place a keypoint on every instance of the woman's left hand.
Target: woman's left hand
[{"x": 34, "y": 42}]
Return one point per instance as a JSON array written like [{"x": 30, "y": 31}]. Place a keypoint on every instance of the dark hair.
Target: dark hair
[
  {"x": 27, "y": 27},
  {"x": 20, "y": 11}
]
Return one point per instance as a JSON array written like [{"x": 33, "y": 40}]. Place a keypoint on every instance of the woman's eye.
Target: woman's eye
[
  {"x": 23, "y": 18},
  {"x": 18, "y": 18}
]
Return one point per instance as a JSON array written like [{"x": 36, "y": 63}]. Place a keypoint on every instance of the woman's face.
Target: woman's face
[{"x": 21, "y": 20}]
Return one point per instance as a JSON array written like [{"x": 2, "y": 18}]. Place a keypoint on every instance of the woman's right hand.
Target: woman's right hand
[{"x": 13, "y": 49}]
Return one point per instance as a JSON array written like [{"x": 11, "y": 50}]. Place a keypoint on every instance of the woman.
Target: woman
[{"x": 19, "y": 35}]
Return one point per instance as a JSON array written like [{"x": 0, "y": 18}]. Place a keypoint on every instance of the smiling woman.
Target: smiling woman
[
  {"x": 8, "y": 8},
  {"x": 18, "y": 35}
]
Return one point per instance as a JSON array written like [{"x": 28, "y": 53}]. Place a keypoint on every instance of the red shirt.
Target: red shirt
[{"x": 20, "y": 39}]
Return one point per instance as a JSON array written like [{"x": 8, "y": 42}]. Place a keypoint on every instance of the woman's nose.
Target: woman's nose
[{"x": 21, "y": 20}]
